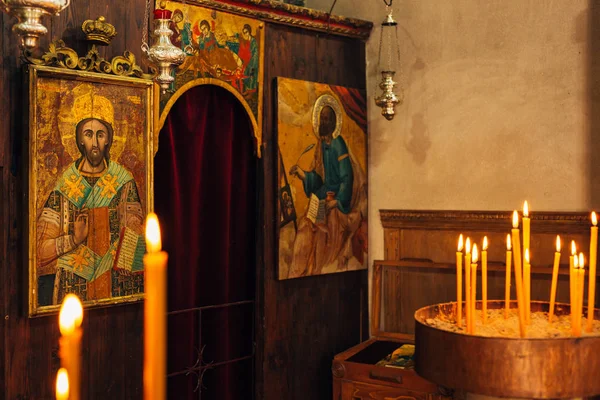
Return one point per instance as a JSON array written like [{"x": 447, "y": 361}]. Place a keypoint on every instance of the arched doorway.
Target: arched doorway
[{"x": 205, "y": 195}]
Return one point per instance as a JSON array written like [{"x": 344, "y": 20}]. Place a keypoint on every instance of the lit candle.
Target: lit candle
[
  {"x": 518, "y": 272},
  {"x": 507, "y": 284},
  {"x": 62, "y": 385},
  {"x": 468, "y": 283},
  {"x": 572, "y": 279},
  {"x": 526, "y": 227},
  {"x": 69, "y": 322},
  {"x": 473, "y": 287},
  {"x": 459, "y": 281},
  {"x": 484, "y": 279},
  {"x": 554, "y": 279},
  {"x": 155, "y": 313},
  {"x": 592, "y": 272},
  {"x": 575, "y": 295},
  {"x": 575, "y": 325},
  {"x": 580, "y": 283},
  {"x": 527, "y": 286}
]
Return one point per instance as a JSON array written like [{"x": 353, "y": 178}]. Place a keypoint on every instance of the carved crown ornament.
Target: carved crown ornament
[{"x": 98, "y": 32}]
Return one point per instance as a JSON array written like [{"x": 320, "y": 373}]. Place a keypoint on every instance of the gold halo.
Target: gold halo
[
  {"x": 322, "y": 101},
  {"x": 84, "y": 103}
]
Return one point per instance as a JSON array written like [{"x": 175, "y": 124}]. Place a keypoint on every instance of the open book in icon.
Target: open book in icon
[{"x": 316, "y": 210}]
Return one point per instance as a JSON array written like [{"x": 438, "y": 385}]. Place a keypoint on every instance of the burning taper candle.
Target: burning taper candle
[
  {"x": 554, "y": 279},
  {"x": 507, "y": 283},
  {"x": 459, "y": 281},
  {"x": 484, "y": 279},
  {"x": 468, "y": 283},
  {"x": 518, "y": 272},
  {"x": 474, "y": 287},
  {"x": 592, "y": 272}
]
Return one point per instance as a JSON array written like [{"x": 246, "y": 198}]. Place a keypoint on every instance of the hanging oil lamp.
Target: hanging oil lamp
[
  {"x": 162, "y": 54},
  {"x": 388, "y": 100},
  {"x": 30, "y": 13}
]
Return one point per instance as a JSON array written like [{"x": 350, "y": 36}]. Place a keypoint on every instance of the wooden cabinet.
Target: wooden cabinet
[
  {"x": 356, "y": 377},
  {"x": 355, "y": 373},
  {"x": 359, "y": 391}
]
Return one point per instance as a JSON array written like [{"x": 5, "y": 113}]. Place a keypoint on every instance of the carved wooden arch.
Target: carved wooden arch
[{"x": 162, "y": 114}]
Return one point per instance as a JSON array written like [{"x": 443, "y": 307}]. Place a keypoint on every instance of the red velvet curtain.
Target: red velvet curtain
[
  {"x": 205, "y": 197},
  {"x": 354, "y": 104}
]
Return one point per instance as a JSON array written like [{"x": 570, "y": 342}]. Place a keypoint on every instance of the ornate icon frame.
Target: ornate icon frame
[{"x": 39, "y": 78}]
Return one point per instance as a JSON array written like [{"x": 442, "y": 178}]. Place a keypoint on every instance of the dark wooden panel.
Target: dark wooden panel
[
  {"x": 3, "y": 272},
  {"x": 3, "y": 219},
  {"x": 305, "y": 321},
  {"x": 488, "y": 221},
  {"x": 433, "y": 235},
  {"x": 112, "y": 343},
  {"x": 3, "y": 88},
  {"x": 424, "y": 271},
  {"x": 405, "y": 289},
  {"x": 391, "y": 244}
]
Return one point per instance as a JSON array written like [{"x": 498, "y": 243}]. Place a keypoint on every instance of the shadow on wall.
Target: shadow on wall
[{"x": 593, "y": 94}]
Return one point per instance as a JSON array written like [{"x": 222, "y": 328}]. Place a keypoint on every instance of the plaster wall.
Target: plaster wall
[{"x": 499, "y": 105}]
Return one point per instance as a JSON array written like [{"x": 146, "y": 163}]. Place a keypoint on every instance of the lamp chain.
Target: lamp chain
[
  {"x": 388, "y": 100},
  {"x": 389, "y": 40},
  {"x": 399, "y": 60},
  {"x": 380, "y": 48},
  {"x": 145, "y": 31}
]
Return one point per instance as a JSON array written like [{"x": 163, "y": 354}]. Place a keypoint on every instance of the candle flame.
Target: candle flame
[
  {"x": 468, "y": 246},
  {"x": 460, "y": 242},
  {"x": 475, "y": 255},
  {"x": 525, "y": 209},
  {"x": 485, "y": 243},
  {"x": 153, "y": 243},
  {"x": 594, "y": 218},
  {"x": 71, "y": 314},
  {"x": 515, "y": 219},
  {"x": 527, "y": 256},
  {"x": 581, "y": 260},
  {"x": 62, "y": 384},
  {"x": 573, "y": 248},
  {"x": 508, "y": 244},
  {"x": 557, "y": 244},
  {"x": 575, "y": 262}
]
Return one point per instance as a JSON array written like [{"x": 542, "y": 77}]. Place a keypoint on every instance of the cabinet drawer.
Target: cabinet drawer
[{"x": 362, "y": 391}]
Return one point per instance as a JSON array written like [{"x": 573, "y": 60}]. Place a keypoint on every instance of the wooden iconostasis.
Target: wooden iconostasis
[{"x": 300, "y": 324}]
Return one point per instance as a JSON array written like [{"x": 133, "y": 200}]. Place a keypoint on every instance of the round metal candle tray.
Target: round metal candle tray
[{"x": 543, "y": 368}]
